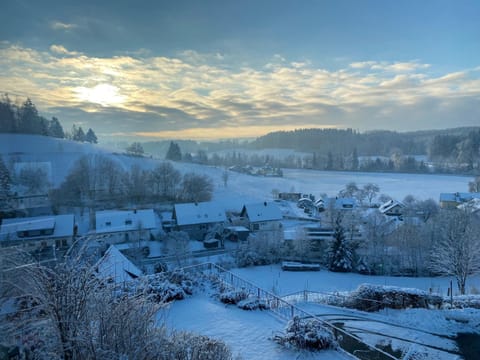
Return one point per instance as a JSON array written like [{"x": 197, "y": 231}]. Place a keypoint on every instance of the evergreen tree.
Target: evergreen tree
[
  {"x": 174, "y": 152},
  {"x": 55, "y": 129},
  {"x": 91, "y": 137},
  {"x": 78, "y": 134},
  {"x": 8, "y": 123},
  {"x": 329, "y": 161},
  {"x": 5, "y": 181},
  {"x": 29, "y": 121},
  {"x": 355, "y": 161},
  {"x": 135, "y": 149},
  {"x": 341, "y": 255}
]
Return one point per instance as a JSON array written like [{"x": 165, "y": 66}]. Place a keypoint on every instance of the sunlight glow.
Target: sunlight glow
[{"x": 103, "y": 94}]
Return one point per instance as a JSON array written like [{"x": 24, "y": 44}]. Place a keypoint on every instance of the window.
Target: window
[
  {"x": 108, "y": 223},
  {"x": 128, "y": 222}
]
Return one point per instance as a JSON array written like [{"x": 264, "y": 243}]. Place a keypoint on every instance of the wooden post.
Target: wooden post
[{"x": 451, "y": 293}]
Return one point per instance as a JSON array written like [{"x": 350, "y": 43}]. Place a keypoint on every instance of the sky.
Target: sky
[{"x": 190, "y": 69}]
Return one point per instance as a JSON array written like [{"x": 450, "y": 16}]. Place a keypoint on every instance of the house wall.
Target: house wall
[
  {"x": 32, "y": 244},
  {"x": 265, "y": 226},
  {"x": 197, "y": 231}
]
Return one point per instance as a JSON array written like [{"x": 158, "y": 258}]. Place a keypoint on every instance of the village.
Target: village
[{"x": 302, "y": 226}]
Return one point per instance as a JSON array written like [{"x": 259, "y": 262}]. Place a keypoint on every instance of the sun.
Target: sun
[{"x": 103, "y": 94}]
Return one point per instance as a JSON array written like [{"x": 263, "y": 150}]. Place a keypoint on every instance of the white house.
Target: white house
[
  {"x": 452, "y": 200},
  {"x": 115, "y": 267},
  {"x": 126, "y": 225},
  {"x": 197, "y": 219},
  {"x": 262, "y": 216},
  {"x": 392, "y": 208},
  {"x": 38, "y": 232}
]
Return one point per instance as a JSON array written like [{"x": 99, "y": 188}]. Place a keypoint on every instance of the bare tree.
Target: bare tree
[
  {"x": 457, "y": 252},
  {"x": 225, "y": 176},
  {"x": 68, "y": 312},
  {"x": 370, "y": 191},
  {"x": 474, "y": 186},
  {"x": 196, "y": 187},
  {"x": 164, "y": 180}
]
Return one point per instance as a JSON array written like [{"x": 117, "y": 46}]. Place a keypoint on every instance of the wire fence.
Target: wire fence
[{"x": 287, "y": 310}]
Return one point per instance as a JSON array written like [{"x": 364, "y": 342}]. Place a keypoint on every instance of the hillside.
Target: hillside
[
  {"x": 378, "y": 143},
  {"x": 240, "y": 188}
]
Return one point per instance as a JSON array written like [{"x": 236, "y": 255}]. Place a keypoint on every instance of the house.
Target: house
[
  {"x": 116, "y": 268},
  {"x": 38, "y": 232},
  {"x": 452, "y": 200},
  {"x": 126, "y": 225},
  {"x": 262, "y": 216},
  {"x": 336, "y": 204},
  {"x": 198, "y": 219},
  {"x": 290, "y": 196},
  {"x": 392, "y": 208}
]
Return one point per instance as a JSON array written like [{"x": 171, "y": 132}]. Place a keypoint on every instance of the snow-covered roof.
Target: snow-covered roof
[
  {"x": 116, "y": 267},
  {"x": 124, "y": 220},
  {"x": 458, "y": 197},
  {"x": 472, "y": 205},
  {"x": 55, "y": 226},
  {"x": 199, "y": 213},
  {"x": 389, "y": 205},
  {"x": 341, "y": 203},
  {"x": 265, "y": 211}
]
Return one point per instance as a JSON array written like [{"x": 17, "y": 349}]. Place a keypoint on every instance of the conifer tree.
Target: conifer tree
[{"x": 341, "y": 255}]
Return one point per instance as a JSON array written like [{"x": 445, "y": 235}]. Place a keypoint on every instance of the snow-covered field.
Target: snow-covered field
[{"x": 240, "y": 187}]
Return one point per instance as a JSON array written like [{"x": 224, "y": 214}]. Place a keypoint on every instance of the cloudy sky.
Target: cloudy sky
[{"x": 227, "y": 69}]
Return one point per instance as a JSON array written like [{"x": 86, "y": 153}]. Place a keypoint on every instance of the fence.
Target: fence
[{"x": 286, "y": 310}]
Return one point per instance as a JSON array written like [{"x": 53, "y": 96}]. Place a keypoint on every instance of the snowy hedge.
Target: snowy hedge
[
  {"x": 369, "y": 297},
  {"x": 252, "y": 303},
  {"x": 307, "y": 334},
  {"x": 233, "y": 296},
  {"x": 465, "y": 301}
]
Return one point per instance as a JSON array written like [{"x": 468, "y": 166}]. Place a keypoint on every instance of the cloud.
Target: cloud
[
  {"x": 140, "y": 93},
  {"x": 59, "y": 25},
  {"x": 61, "y": 50}
]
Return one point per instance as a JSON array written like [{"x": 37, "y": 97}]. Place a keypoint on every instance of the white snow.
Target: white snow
[{"x": 249, "y": 333}]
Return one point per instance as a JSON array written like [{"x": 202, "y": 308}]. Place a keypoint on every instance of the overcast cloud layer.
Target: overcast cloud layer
[{"x": 224, "y": 88}]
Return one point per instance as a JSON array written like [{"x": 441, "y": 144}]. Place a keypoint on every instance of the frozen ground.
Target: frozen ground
[{"x": 248, "y": 333}]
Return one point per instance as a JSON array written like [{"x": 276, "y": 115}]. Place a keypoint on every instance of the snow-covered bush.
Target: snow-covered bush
[
  {"x": 260, "y": 249},
  {"x": 307, "y": 334},
  {"x": 465, "y": 301},
  {"x": 233, "y": 296},
  {"x": 369, "y": 297},
  {"x": 413, "y": 353},
  {"x": 184, "y": 345},
  {"x": 165, "y": 286},
  {"x": 252, "y": 303}
]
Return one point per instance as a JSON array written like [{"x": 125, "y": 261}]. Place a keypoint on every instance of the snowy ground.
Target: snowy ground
[{"x": 248, "y": 333}]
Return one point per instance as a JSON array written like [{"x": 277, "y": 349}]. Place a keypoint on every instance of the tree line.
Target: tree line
[
  {"x": 98, "y": 180},
  {"x": 24, "y": 119}
]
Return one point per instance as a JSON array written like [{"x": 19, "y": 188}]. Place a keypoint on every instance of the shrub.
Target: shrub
[
  {"x": 307, "y": 334},
  {"x": 252, "y": 303},
  {"x": 233, "y": 296},
  {"x": 369, "y": 297}
]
